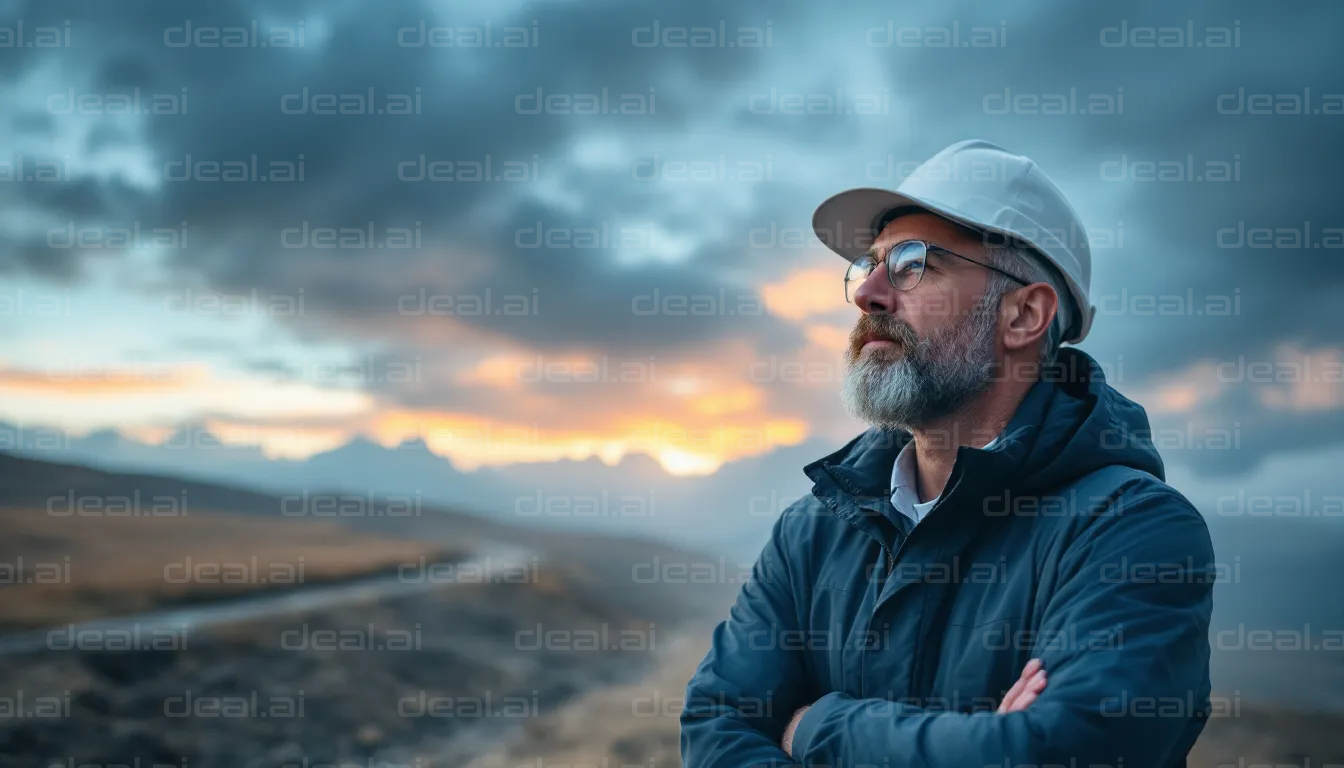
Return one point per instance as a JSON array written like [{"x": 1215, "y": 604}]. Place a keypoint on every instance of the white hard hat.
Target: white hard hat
[{"x": 987, "y": 188}]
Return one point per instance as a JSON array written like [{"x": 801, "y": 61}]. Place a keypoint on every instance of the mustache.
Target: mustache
[{"x": 882, "y": 327}]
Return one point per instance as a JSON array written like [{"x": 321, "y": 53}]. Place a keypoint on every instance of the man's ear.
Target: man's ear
[{"x": 1027, "y": 314}]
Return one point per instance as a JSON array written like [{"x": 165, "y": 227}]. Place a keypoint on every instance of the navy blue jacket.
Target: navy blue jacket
[{"x": 1061, "y": 542}]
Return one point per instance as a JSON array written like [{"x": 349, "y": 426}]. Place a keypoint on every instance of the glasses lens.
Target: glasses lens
[
  {"x": 858, "y": 271},
  {"x": 905, "y": 264}
]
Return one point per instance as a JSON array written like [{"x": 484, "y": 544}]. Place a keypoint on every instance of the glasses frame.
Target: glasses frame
[{"x": 928, "y": 248}]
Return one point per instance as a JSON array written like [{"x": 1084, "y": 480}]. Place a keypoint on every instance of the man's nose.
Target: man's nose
[{"x": 876, "y": 295}]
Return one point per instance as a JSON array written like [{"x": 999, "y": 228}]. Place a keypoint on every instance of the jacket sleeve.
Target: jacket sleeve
[
  {"x": 1129, "y": 699},
  {"x": 746, "y": 689}
]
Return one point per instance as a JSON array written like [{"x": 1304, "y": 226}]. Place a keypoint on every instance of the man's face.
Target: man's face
[{"x": 917, "y": 356}]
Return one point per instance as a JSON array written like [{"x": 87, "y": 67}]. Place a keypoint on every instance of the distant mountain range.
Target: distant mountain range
[{"x": 729, "y": 512}]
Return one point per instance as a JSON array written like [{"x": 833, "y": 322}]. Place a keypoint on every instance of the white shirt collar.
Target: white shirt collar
[{"x": 904, "y": 482}]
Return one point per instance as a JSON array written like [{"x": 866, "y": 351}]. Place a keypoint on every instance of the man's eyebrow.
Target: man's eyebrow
[{"x": 939, "y": 251}]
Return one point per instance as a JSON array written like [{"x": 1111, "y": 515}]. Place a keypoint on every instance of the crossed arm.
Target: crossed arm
[
  {"x": 1028, "y": 686},
  {"x": 743, "y": 703}
]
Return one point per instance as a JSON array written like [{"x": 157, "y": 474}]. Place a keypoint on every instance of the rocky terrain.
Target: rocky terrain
[
  {"x": 429, "y": 676},
  {"x": 466, "y": 657}
]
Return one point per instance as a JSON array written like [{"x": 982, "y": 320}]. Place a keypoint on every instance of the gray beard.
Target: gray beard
[{"x": 917, "y": 385}]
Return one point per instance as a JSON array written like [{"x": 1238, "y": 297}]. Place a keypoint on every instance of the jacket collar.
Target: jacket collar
[{"x": 855, "y": 481}]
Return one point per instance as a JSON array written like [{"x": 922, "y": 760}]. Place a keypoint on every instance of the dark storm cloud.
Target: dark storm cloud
[
  {"x": 467, "y": 101},
  {"x": 68, "y": 207},
  {"x": 1234, "y": 433}
]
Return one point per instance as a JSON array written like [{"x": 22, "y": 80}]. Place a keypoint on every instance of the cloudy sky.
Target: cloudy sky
[{"x": 525, "y": 231}]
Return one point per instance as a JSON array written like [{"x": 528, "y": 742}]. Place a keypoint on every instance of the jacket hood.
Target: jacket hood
[
  {"x": 1080, "y": 424},
  {"x": 1070, "y": 423}
]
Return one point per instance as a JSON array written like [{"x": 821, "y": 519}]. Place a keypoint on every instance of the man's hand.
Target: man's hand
[
  {"x": 787, "y": 742},
  {"x": 1025, "y": 690}
]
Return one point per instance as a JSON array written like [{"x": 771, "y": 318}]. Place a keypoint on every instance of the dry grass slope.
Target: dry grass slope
[{"x": 69, "y": 569}]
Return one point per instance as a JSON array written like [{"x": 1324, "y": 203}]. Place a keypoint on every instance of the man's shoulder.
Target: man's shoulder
[
  {"x": 1124, "y": 504},
  {"x": 808, "y": 523},
  {"x": 1122, "y": 487},
  {"x": 805, "y": 516}
]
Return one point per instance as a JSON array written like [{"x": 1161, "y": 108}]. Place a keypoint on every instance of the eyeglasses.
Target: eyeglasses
[{"x": 906, "y": 262}]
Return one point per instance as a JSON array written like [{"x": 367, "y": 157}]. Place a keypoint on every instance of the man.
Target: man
[{"x": 974, "y": 581}]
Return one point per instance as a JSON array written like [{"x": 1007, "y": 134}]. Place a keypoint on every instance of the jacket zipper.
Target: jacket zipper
[
  {"x": 892, "y": 558},
  {"x": 891, "y": 566},
  {"x": 917, "y": 665}
]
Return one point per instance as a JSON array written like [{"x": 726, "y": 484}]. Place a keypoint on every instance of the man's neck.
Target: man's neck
[{"x": 975, "y": 425}]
